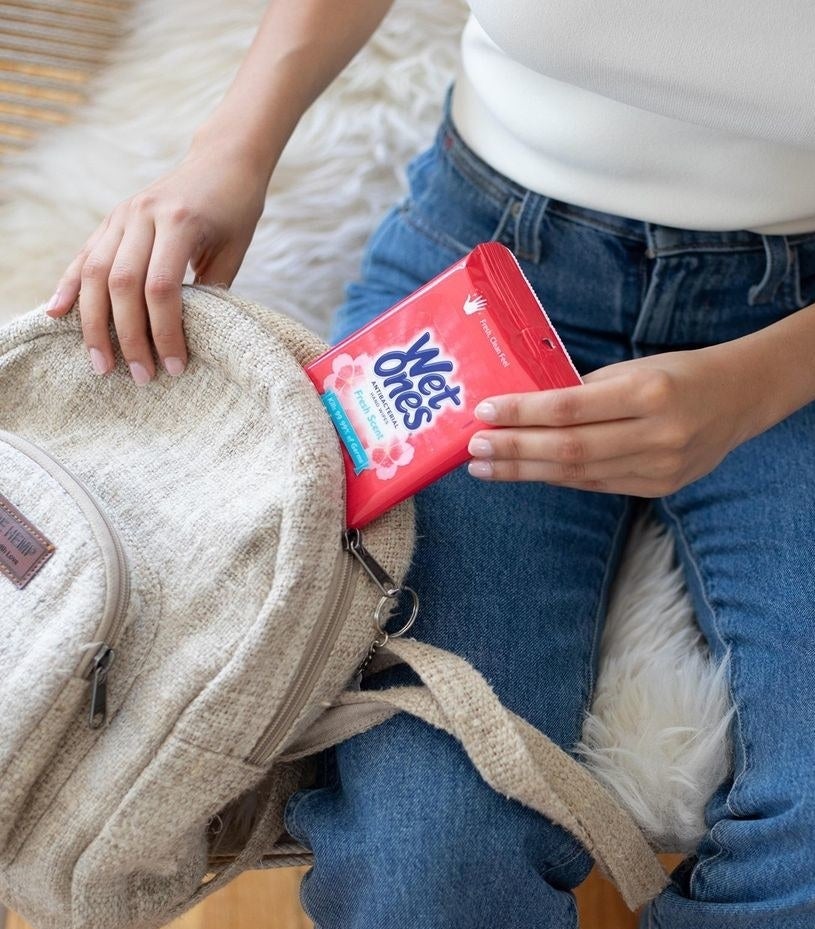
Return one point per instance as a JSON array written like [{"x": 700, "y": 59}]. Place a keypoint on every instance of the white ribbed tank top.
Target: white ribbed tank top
[{"x": 699, "y": 114}]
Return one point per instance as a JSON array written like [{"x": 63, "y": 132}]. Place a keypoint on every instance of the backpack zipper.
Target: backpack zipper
[
  {"x": 322, "y": 639},
  {"x": 353, "y": 557},
  {"x": 93, "y": 666}
]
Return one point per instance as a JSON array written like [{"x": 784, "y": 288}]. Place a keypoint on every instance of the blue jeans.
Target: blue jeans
[{"x": 516, "y": 576}]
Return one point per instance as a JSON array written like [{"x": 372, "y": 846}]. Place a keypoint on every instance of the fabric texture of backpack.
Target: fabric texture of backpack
[{"x": 182, "y": 616}]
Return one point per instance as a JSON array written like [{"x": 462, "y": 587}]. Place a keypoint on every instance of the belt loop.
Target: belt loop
[
  {"x": 651, "y": 249},
  {"x": 447, "y": 102},
  {"x": 779, "y": 260},
  {"x": 529, "y": 214}
]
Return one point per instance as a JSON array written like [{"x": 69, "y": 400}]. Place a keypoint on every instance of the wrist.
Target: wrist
[
  {"x": 746, "y": 378},
  {"x": 770, "y": 372},
  {"x": 255, "y": 158},
  {"x": 254, "y": 128}
]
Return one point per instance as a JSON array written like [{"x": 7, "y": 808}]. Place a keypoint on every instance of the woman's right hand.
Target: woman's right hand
[{"x": 203, "y": 213}]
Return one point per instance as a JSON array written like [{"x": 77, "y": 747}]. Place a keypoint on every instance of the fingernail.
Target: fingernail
[
  {"x": 173, "y": 366},
  {"x": 480, "y": 468},
  {"x": 98, "y": 361},
  {"x": 487, "y": 412},
  {"x": 53, "y": 302},
  {"x": 139, "y": 373},
  {"x": 481, "y": 448}
]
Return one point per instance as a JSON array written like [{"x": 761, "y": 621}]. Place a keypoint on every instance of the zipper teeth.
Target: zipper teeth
[
  {"x": 327, "y": 629},
  {"x": 110, "y": 626},
  {"x": 123, "y": 573}
]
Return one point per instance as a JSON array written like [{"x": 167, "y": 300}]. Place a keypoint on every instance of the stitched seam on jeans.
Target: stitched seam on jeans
[
  {"x": 704, "y": 585},
  {"x": 474, "y": 169},
  {"x": 697, "y": 868},
  {"x": 288, "y": 815},
  {"x": 559, "y": 864},
  {"x": 435, "y": 235},
  {"x": 596, "y": 225},
  {"x": 601, "y": 597},
  {"x": 673, "y": 250},
  {"x": 292, "y": 819},
  {"x": 480, "y": 184},
  {"x": 646, "y": 273},
  {"x": 460, "y": 161}
]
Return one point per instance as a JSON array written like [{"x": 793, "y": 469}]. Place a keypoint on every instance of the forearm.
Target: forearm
[
  {"x": 774, "y": 368},
  {"x": 297, "y": 51}
]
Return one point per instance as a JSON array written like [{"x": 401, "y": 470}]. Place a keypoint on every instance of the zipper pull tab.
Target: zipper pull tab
[
  {"x": 352, "y": 542},
  {"x": 99, "y": 695}
]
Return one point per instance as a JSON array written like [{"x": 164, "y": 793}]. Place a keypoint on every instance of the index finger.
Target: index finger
[
  {"x": 562, "y": 406},
  {"x": 67, "y": 289}
]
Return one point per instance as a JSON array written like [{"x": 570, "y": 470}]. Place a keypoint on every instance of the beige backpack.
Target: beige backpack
[{"x": 182, "y": 614}]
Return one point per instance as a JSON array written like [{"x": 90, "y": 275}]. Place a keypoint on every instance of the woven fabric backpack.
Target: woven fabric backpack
[{"x": 182, "y": 616}]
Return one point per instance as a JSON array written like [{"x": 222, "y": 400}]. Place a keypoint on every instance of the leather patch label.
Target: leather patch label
[{"x": 23, "y": 548}]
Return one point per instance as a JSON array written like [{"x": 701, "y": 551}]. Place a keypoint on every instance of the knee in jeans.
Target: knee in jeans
[
  {"x": 409, "y": 809},
  {"x": 763, "y": 853}
]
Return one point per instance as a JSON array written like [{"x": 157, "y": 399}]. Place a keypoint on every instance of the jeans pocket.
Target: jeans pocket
[{"x": 446, "y": 207}]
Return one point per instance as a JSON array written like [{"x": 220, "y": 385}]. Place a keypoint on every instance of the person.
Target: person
[{"x": 653, "y": 171}]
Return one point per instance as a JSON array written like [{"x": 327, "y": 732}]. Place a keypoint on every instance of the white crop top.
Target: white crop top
[{"x": 699, "y": 115}]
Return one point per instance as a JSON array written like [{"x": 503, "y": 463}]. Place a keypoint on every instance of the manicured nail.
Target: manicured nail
[
  {"x": 139, "y": 373},
  {"x": 174, "y": 366},
  {"x": 53, "y": 302},
  {"x": 480, "y": 468},
  {"x": 487, "y": 412},
  {"x": 98, "y": 361},
  {"x": 481, "y": 448}
]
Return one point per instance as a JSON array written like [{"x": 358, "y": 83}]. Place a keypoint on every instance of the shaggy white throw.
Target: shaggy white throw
[{"x": 657, "y": 734}]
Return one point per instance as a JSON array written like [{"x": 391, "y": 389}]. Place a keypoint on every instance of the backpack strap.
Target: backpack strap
[{"x": 511, "y": 755}]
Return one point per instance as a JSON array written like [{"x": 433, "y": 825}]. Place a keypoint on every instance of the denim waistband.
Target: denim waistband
[{"x": 659, "y": 240}]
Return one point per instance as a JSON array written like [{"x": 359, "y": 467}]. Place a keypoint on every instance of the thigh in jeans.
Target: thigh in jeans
[
  {"x": 745, "y": 536},
  {"x": 514, "y": 577}
]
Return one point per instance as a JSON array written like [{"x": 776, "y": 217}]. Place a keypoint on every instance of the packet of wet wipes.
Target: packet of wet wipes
[{"x": 402, "y": 389}]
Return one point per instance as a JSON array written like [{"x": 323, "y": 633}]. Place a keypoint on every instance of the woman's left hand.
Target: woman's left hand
[{"x": 644, "y": 427}]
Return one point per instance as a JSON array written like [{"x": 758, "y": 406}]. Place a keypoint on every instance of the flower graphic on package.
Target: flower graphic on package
[
  {"x": 347, "y": 373},
  {"x": 386, "y": 457}
]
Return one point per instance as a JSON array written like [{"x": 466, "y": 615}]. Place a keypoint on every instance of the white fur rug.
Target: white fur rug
[{"x": 657, "y": 733}]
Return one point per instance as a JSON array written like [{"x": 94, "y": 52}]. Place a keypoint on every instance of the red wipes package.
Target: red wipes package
[{"x": 402, "y": 389}]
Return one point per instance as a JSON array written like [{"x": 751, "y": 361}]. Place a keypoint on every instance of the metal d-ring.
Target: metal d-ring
[
  {"x": 388, "y": 598},
  {"x": 382, "y": 637}
]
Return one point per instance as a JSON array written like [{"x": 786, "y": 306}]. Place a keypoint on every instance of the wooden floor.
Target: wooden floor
[{"x": 269, "y": 900}]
